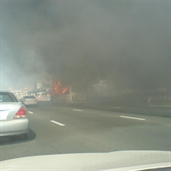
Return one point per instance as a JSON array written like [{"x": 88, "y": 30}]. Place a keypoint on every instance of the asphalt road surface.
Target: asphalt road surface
[{"x": 60, "y": 130}]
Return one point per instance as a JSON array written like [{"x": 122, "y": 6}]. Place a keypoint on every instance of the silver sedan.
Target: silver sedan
[
  {"x": 29, "y": 101},
  {"x": 13, "y": 116}
]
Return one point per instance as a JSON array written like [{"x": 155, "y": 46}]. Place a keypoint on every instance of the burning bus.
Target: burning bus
[{"x": 64, "y": 95}]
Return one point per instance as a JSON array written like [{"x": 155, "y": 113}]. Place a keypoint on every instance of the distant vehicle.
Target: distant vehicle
[
  {"x": 43, "y": 97},
  {"x": 29, "y": 100},
  {"x": 13, "y": 116}
]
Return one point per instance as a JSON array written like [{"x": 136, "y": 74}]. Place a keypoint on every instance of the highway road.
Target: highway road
[{"x": 60, "y": 130}]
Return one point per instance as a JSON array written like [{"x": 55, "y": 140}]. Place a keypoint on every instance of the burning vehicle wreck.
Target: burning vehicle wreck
[{"x": 64, "y": 95}]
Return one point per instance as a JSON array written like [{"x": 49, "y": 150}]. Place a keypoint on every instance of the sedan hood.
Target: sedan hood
[{"x": 119, "y": 160}]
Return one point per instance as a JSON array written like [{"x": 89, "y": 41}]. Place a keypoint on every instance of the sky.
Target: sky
[{"x": 126, "y": 41}]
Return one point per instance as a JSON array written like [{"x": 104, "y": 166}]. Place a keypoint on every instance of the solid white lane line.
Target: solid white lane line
[
  {"x": 78, "y": 110},
  {"x": 115, "y": 107},
  {"x": 58, "y": 123},
  {"x": 128, "y": 117},
  {"x": 30, "y": 112}
]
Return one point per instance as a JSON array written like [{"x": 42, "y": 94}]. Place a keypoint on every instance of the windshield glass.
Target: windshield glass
[
  {"x": 91, "y": 76},
  {"x": 7, "y": 97}
]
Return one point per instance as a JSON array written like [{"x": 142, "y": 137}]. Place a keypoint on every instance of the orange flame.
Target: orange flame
[{"x": 58, "y": 88}]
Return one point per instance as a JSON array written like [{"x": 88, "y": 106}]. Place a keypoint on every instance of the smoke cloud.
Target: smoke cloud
[{"x": 127, "y": 42}]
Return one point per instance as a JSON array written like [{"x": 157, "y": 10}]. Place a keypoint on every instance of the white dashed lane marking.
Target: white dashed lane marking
[
  {"x": 30, "y": 112},
  {"x": 128, "y": 117},
  {"x": 58, "y": 123},
  {"x": 78, "y": 110}
]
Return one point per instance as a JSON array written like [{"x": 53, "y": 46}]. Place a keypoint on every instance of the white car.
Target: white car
[
  {"x": 29, "y": 100},
  {"x": 13, "y": 116}
]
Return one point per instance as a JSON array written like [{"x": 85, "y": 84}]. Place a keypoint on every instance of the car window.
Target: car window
[{"x": 7, "y": 97}]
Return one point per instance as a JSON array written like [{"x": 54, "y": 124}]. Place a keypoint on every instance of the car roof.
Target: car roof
[{"x": 6, "y": 92}]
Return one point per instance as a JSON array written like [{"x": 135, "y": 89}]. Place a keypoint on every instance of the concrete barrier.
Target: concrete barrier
[
  {"x": 129, "y": 105},
  {"x": 144, "y": 110},
  {"x": 154, "y": 111}
]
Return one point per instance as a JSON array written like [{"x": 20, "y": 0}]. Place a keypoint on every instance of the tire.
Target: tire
[{"x": 25, "y": 136}]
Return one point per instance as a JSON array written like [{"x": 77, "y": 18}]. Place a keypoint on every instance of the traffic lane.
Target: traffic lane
[
  {"x": 50, "y": 139},
  {"x": 83, "y": 132},
  {"x": 151, "y": 133},
  {"x": 158, "y": 119},
  {"x": 143, "y": 110},
  {"x": 152, "y": 128},
  {"x": 85, "y": 119},
  {"x": 156, "y": 130},
  {"x": 45, "y": 141},
  {"x": 153, "y": 119},
  {"x": 100, "y": 114}
]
